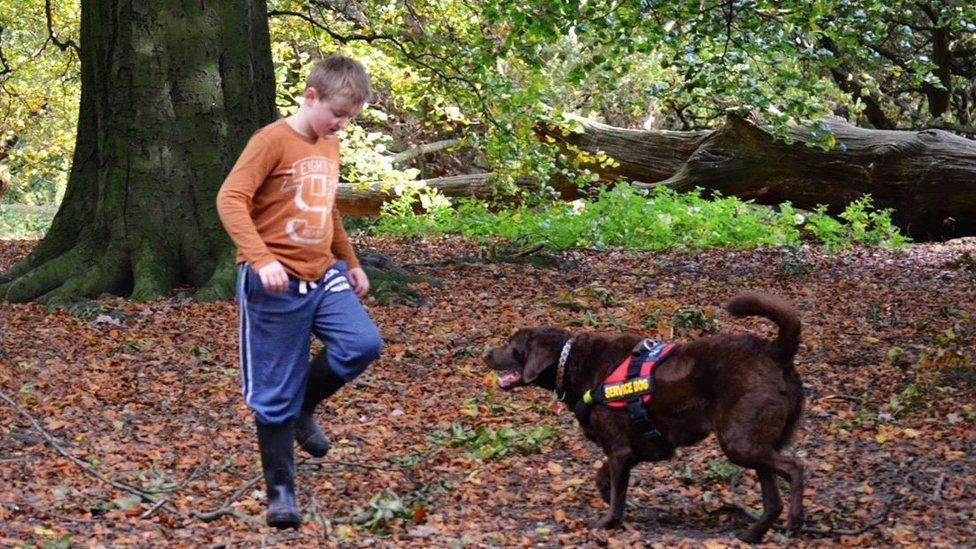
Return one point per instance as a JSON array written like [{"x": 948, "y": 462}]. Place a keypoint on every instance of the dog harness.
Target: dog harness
[{"x": 631, "y": 386}]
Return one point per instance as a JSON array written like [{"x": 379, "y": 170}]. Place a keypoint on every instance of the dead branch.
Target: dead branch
[
  {"x": 87, "y": 467},
  {"x": 423, "y": 149}
]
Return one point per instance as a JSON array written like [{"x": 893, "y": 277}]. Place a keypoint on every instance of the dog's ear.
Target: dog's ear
[{"x": 538, "y": 358}]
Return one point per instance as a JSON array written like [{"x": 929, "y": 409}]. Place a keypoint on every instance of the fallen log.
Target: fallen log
[{"x": 928, "y": 177}]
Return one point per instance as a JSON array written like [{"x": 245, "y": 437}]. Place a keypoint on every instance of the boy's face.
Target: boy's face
[{"x": 329, "y": 115}]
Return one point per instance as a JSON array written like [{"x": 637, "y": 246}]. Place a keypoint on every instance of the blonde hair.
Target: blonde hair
[{"x": 340, "y": 76}]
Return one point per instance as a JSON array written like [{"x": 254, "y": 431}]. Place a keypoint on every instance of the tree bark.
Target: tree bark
[
  {"x": 171, "y": 90},
  {"x": 643, "y": 155}
]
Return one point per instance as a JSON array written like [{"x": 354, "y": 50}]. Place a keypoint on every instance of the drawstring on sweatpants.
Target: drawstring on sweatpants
[{"x": 303, "y": 286}]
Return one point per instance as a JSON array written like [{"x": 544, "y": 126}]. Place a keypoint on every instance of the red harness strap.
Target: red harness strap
[{"x": 619, "y": 373}]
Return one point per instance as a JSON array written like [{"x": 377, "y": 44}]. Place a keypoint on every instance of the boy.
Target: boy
[{"x": 297, "y": 275}]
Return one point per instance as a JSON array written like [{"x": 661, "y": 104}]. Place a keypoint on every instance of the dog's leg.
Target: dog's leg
[
  {"x": 784, "y": 466},
  {"x": 772, "y": 507},
  {"x": 791, "y": 470},
  {"x": 619, "y": 464},
  {"x": 603, "y": 481}
]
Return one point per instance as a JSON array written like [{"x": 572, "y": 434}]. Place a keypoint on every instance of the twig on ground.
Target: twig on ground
[
  {"x": 529, "y": 251},
  {"x": 314, "y": 511},
  {"x": 84, "y": 464},
  {"x": 149, "y": 512},
  {"x": 847, "y": 532},
  {"x": 291, "y": 536},
  {"x": 357, "y": 464},
  {"x": 937, "y": 493},
  {"x": 854, "y": 399},
  {"x": 225, "y": 509},
  {"x": 467, "y": 261},
  {"x": 475, "y": 261}
]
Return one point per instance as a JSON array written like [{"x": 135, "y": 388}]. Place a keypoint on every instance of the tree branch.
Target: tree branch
[
  {"x": 226, "y": 509},
  {"x": 423, "y": 149},
  {"x": 341, "y": 38},
  {"x": 891, "y": 56},
  {"x": 50, "y": 30},
  {"x": 958, "y": 128},
  {"x": 84, "y": 464},
  {"x": 370, "y": 38},
  {"x": 3, "y": 58}
]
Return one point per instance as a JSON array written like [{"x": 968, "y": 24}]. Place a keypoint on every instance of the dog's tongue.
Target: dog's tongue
[{"x": 509, "y": 380}]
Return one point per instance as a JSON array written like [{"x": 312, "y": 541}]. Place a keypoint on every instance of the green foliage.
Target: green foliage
[
  {"x": 964, "y": 261},
  {"x": 387, "y": 506},
  {"x": 488, "y": 72},
  {"x": 863, "y": 225},
  {"x": 63, "y": 542},
  {"x": 694, "y": 318},
  {"x": 18, "y": 224},
  {"x": 716, "y": 470},
  {"x": 484, "y": 404},
  {"x": 653, "y": 320},
  {"x": 38, "y": 99},
  {"x": 489, "y": 443},
  {"x": 722, "y": 470},
  {"x": 630, "y": 218}
]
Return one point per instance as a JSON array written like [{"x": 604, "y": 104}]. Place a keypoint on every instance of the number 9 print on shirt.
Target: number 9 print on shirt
[{"x": 314, "y": 181}]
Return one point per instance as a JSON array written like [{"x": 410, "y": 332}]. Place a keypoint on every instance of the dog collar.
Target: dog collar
[{"x": 561, "y": 368}]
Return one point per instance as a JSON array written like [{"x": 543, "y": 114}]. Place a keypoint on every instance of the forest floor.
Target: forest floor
[{"x": 123, "y": 423}]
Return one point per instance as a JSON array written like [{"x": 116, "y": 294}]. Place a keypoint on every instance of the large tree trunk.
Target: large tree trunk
[
  {"x": 171, "y": 90},
  {"x": 928, "y": 177}
]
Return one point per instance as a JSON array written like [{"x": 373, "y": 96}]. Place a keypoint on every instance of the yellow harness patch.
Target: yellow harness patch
[{"x": 627, "y": 388}]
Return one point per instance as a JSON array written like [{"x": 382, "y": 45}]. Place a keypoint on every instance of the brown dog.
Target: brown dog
[{"x": 740, "y": 387}]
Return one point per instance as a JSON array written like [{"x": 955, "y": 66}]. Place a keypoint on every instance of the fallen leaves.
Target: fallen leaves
[{"x": 155, "y": 401}]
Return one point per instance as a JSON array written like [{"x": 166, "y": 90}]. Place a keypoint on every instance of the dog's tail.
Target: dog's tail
[{"x": 784, "y": 347}]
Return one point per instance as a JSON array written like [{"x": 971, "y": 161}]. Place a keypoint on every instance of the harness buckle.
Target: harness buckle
[{"x": 644, "y": 346}]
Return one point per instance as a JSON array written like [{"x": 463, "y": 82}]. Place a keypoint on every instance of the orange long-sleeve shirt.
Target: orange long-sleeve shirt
[{"x": 278, "y": 202}]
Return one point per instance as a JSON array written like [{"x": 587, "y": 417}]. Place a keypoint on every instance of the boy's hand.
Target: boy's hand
[
  {"x": 273, "y": 276},
  {"x": 358, "y": 280}
]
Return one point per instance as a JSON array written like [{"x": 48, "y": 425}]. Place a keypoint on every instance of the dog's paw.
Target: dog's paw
[
  {"x": 750, "y": 536},
  {"x": 607, "y": 521}
]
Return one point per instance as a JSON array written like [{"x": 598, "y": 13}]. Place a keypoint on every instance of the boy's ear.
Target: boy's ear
[{"x": 311, "y": 94}]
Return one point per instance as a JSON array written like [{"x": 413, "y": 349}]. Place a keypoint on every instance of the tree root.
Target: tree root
[{"x": 43, "y": 278}]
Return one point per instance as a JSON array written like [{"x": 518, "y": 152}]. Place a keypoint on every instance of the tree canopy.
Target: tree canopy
[{"x": 486, "y": 72}]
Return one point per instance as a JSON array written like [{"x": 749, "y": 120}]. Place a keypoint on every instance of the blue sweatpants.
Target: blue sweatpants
[{"x": 275, "y": 338}]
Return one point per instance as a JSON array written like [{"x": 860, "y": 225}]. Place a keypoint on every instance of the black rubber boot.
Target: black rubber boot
[
  {"x": 278, "y": 462},
  {"x": 322, "y": 383}
]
